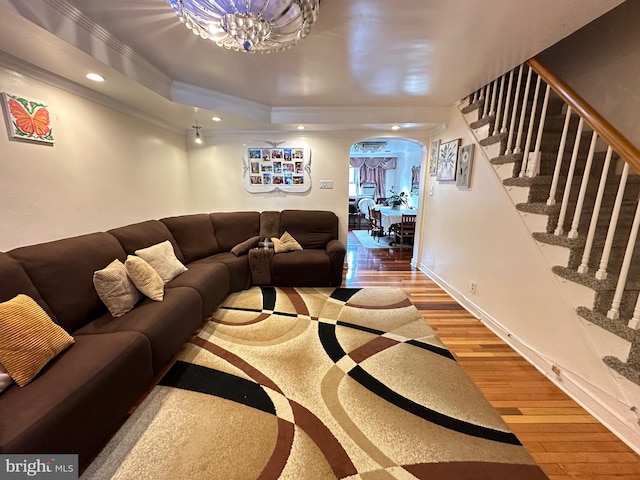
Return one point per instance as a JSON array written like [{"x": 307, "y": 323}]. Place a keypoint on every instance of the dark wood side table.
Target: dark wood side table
[{"x": 260, "y": 265}]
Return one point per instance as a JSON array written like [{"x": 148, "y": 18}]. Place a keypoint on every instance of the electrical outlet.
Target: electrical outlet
[{"x": 473, "y": 286}]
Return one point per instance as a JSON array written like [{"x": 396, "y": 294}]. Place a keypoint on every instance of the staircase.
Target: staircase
[{"x": 571, "y": 172}]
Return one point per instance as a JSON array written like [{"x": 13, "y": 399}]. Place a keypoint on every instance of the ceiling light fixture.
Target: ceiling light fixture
[
  {"x": 395, "y": 127},
  {"x": 95, "y": 77},
  {"x": 198, "y": 140},
  {"x": 261, "y": 26},
  {"x": 300, "y": 127},
  {"x": 216, "y": 119}
]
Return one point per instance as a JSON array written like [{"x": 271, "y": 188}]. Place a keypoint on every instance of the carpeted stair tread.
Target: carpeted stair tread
[
  {"x": 488, "y": 120},
  {"x": 618, "y": 327},
  {"x": 493, "y": 139},
  {"x": 538, "y": 208},
  {"x": 586, "y": 279},
  {"x": 559, "y": 240},
  {"x": 627, "y": 370},
  {"x": 472, "y": 106}
]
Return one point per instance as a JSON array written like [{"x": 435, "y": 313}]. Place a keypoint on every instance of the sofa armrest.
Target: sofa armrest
[{"x": 336, "y": 251}]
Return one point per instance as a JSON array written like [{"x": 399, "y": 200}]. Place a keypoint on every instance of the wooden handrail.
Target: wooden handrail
[{"x": 608, "y": 132}]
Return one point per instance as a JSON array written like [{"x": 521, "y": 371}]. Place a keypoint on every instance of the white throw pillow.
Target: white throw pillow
[
  {"x": 5, "y": 379},
  {"x": 163, "y": 260},
  {"x": 145, "y": 278},
  {"x": 115, "y": 288}
]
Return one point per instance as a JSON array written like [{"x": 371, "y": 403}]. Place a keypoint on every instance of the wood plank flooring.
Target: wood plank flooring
[{"x": 565, "y": 440}]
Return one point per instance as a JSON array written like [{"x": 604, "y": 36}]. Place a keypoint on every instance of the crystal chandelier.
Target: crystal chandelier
[{"x": 261, "y": 26}]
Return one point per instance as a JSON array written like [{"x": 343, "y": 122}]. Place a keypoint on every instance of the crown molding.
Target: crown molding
[{"x": 15, "y": 66}]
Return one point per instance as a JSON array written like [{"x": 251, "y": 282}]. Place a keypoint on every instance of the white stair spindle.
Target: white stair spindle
[
  {"x": 535, "y": 168},
  {"x": 573, "y": 233},
  {"x": 556, "y": 173},
  {"x": 601, "y": 274},
  {"x": 496, "y": 122},
  {"x": 584, "y": 263},
  {"x": 505, "y": 117},
  {"x": 474, "y": 97},
  {"x": 523, "y": 112},
  {"x": 532, "y": 119},
  {"x": 487, "y": 100},
  {"x": 634, "y": 322},
  {"x": 514, "y": 114},
  {"x": 614, "y": 311},
  {"x": 494, "y": 88},
  {"x": 567, "y": 188}
]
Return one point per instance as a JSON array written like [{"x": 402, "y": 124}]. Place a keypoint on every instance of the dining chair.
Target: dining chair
[
  {"x": 377, "y": 230},
  {"x": 405, "y": 230}
]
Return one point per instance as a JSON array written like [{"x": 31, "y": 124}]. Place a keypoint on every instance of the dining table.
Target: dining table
[{"x": 390, "y": 215}]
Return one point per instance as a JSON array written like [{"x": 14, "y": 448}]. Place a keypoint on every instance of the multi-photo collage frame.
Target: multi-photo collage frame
[{"x": 277, "y": 168}]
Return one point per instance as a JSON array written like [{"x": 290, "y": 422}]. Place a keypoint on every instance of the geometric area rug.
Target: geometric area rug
[{"x": 315, "y": 383}]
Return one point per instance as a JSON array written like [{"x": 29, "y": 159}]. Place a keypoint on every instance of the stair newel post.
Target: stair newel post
[
  {"x": 514, "y": 114},
  {"x": 567, "y": 188},
  {"x": 523, "y": 112},
  {"x": 507, "y": 104},
  {"x": 496, "y": 122},
  {"x": 532, "y": 119},
  {"x": 556, "y": 172},
  {"x": 601, "y": 274},
  {"x": 614, "y": 311},
  {"x": 573, "y": 233},
  {"x": 584, "y": 264},
  {"x": 487, "y": 100}
]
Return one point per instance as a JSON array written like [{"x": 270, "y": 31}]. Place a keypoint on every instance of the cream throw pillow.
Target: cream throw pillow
[
  {"x": 286, "y": 243},
  {"x": 145, "y": 278},
  {"x": 5, "y": 379},
  {"x": 115, "y": 289},
  {"x": 29, "y": 339},
  {"x": 163, "y": 260}
]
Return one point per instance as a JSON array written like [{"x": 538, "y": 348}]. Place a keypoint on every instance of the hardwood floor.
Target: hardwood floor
[{"x": 565, "y": 440}]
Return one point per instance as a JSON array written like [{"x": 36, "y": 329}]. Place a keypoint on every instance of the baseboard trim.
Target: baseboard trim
[{"x": 629, "y": 434}]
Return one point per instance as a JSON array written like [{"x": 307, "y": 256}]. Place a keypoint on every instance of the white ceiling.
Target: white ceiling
[{"x": 367, "y": 64}]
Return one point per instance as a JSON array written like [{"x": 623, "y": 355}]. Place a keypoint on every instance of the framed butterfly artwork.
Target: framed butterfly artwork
[{"x": 27, "y": 119}]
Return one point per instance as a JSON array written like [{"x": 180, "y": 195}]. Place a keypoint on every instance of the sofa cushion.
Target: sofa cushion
[
  {"x": 163, "y": 260},
  {"x": 167, "y": 324},
  {"x": 115, "y": 288},
  {"x": 210, "y": 279},
  {"x": 145, "y": 278},
  {"x": 144, "y": 234},
  {"x": 269, "y": 224},
  {"x": 14, "y": 280},
  {"x": 243, "y": 247},
  {"x": 231, "y": 228},
  {"x": 29, "y": 339},
  {"x": 62, "y": 271},
  {"x": 304, "y": 268},
  {"x": 239, "y": 272},
  {"x": 81, "y": 398},
  {"x": 194, "y": 234},
  {"x": 311, "y": 228}
]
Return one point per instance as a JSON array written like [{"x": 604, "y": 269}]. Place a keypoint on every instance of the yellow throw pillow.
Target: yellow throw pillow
[
  {"x": 163, "y": 260},
  {"x": 29, "y": 339},
  {"x": 286, "y": 243},
  {"x": 145, "y": 278},
  {"x": 115, "y": 288}
]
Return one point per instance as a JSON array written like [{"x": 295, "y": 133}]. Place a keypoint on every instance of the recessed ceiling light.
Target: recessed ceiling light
[
  {"x": 95, "y": 77},
  {"x": 300, "y": 127},
  {"x": 395, "y": 127},
  {"x": 216, "y": 119}
]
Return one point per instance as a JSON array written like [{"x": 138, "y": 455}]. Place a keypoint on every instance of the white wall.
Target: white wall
[
  {"x": 217, "y": 185},
  {"x": 477, "y": 234},
  {"x": 601, "y": 62},
  {"x": 105, "y": 170}
]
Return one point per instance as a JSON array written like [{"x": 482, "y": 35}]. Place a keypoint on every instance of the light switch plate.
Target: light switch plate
[{"x": 326, "y": 183}]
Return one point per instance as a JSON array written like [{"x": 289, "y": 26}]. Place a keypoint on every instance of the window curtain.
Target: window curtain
[{"x": 372, "y": 170}]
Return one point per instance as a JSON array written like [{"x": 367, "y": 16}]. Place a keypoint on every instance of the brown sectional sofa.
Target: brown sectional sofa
[{"x": 83, "y": 395}]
